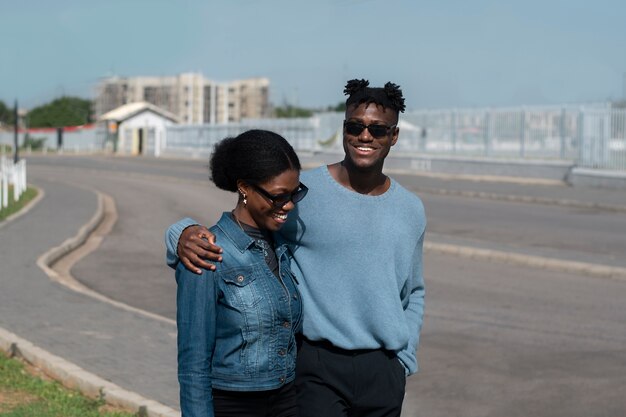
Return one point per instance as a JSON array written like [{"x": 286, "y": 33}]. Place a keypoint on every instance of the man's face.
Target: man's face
[{"x": 364, "y": 151}]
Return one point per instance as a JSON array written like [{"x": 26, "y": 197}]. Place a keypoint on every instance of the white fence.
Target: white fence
[
  {"x": 11, "y": 173},
  {"x": 593, "y": 136},
  {"x": 198, "y": 140},
  {"x": 590, "y": 136},
  {"x": 87, "y": 140}
]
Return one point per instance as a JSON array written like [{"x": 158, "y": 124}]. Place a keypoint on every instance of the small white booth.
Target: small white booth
[{"x": 137, "y": 128}]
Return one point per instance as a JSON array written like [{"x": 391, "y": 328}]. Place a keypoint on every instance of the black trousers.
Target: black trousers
[
  {"x": 280, "y": 402},
  {"x": 333, "y": 382}
]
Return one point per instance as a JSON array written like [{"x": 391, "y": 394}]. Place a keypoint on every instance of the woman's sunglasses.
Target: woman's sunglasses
[
  {"x": 279, "y": 200},
  {"x": 377, "y": 131}
]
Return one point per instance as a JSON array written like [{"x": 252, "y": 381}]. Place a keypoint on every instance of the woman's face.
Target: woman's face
[{"x": 262, "y": 212}]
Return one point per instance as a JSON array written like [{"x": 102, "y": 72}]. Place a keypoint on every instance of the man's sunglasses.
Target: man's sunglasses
[
  {"x": 279, "y": 200},
  {"x": 377, "y": 131}
]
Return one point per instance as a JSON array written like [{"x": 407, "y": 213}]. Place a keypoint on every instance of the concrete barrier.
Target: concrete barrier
[{"x": 533, "y": 169}]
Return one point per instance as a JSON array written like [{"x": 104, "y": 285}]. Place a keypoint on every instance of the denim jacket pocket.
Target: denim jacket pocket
[
  {"x": 245, "y": 292},
  {"x": 241, "y": 287}
]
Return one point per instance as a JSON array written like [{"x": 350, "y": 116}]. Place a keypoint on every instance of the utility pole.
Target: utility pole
[{"x": 16, "y": 155}]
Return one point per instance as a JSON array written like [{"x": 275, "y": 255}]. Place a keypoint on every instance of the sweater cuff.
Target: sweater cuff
[
  {"x": 171, "y": 239},
  {"x": 408, "y": 361}
]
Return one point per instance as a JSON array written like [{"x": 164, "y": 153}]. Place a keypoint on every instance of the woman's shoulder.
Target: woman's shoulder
[{"x": 186, "y": 277}]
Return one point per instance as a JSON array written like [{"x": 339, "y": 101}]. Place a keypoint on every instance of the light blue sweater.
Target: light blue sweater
[{"x": 359, "y": 262}]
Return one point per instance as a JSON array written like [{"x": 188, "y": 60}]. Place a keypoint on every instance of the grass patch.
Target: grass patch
[
  {"x": 23, "y": 394},
  {"x": 15, "y": 206}
]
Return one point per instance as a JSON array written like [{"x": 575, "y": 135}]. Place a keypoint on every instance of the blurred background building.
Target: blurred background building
[{"x": 193, "y": 98}]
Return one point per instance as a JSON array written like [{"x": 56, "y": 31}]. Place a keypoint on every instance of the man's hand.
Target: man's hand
[{"x": 195, "y": 245}]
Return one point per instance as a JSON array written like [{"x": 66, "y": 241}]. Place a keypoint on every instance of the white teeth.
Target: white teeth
[
  {"x": 281, "y": 216},
  {"x": 363, "y": 148}
]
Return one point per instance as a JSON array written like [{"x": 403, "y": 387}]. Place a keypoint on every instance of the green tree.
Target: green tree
[
  {"x": 340, "y": 107},
  {"x": 288, "y": 111},
  {"x": 6, "y": 114},
  {"x": 64, "y": 111}
]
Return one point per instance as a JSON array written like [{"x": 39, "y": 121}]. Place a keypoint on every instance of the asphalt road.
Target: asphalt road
[{"x": 498, "y": 340}]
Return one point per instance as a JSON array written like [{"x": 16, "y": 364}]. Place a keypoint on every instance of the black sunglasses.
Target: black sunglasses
[
  {"x": 377, "y": 131},
  {"x": 279, "y": 200}
]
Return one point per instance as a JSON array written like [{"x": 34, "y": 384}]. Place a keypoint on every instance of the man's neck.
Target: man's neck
[{"x": 370, "y": 182}]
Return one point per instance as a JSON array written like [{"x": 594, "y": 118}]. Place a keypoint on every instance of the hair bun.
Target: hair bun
[
  {"x": 358, "y": 91},
  {"x": 355, "y": 85},
  {"x": 395, "y": 95}
]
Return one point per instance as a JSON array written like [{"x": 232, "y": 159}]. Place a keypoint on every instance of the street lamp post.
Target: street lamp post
[{"x": 16, "y": 155}]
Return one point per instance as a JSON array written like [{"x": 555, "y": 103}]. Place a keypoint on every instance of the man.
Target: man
[{"x": 357, "y": 249}]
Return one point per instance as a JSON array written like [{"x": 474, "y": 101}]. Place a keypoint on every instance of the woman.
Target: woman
[{"x": 236, "y": 325}]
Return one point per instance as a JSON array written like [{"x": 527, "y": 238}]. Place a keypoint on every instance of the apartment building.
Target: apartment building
[{"x": 190, "y": 96}]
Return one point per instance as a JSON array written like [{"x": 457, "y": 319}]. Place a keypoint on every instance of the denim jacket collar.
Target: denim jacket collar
[
  {"x": 233, "y": 231},
  {"x": 241, "y": 239}
]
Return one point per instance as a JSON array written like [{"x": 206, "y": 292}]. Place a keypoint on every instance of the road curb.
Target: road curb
[
  {"x": 514, "y": 198},
  {"x": 551, "y": 264},
  {"x": 476, "y": 177},
  {"x": 56, "y": 253},
  {"x": 520, "y": 199},
  {"x": 74, "y": 377},
  {"x": 105, "y": 213}
]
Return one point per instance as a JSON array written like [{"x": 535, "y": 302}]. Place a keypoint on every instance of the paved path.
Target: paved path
[
  {"x": 136, "y": 352},
  {"x": 129, "y": 349}
]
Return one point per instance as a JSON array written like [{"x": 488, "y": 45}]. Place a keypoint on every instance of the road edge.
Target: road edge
[
  {"x": 74, "y": 377},
  {"x": 532, "y": 261}
]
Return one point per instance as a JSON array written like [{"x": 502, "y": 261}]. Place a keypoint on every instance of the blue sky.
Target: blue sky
[{"x": 443, "y": 53}]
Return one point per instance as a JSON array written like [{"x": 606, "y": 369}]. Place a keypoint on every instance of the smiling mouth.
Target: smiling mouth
[
  {"x": 282, "y": 217},
  {"x": 365, "y": 148}
]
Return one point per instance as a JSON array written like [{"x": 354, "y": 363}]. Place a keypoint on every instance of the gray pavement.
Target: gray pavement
[{"x": 133, "y": 351}]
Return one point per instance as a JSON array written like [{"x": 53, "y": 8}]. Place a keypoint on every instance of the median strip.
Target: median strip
[{"x": 550, "y": 264}]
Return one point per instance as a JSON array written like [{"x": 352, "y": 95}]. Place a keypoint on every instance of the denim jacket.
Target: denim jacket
[{"x": 236, "y": 325}]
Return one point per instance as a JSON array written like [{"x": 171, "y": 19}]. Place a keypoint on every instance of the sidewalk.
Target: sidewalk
[{"x": 133, "y": 351}]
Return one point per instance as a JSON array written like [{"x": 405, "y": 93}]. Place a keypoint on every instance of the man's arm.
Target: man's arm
[
  {"x": 414, "y": 311},
  {"x": 192, "y": 244}
]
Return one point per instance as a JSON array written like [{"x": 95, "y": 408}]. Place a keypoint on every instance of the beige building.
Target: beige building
[{"x": 191, "y": 97}]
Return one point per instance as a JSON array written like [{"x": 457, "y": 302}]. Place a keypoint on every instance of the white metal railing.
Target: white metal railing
[
  {"x": 14, "y": 174},
  {"x": 592, "y": 136},
  {"x": 87, "y": 140}
]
